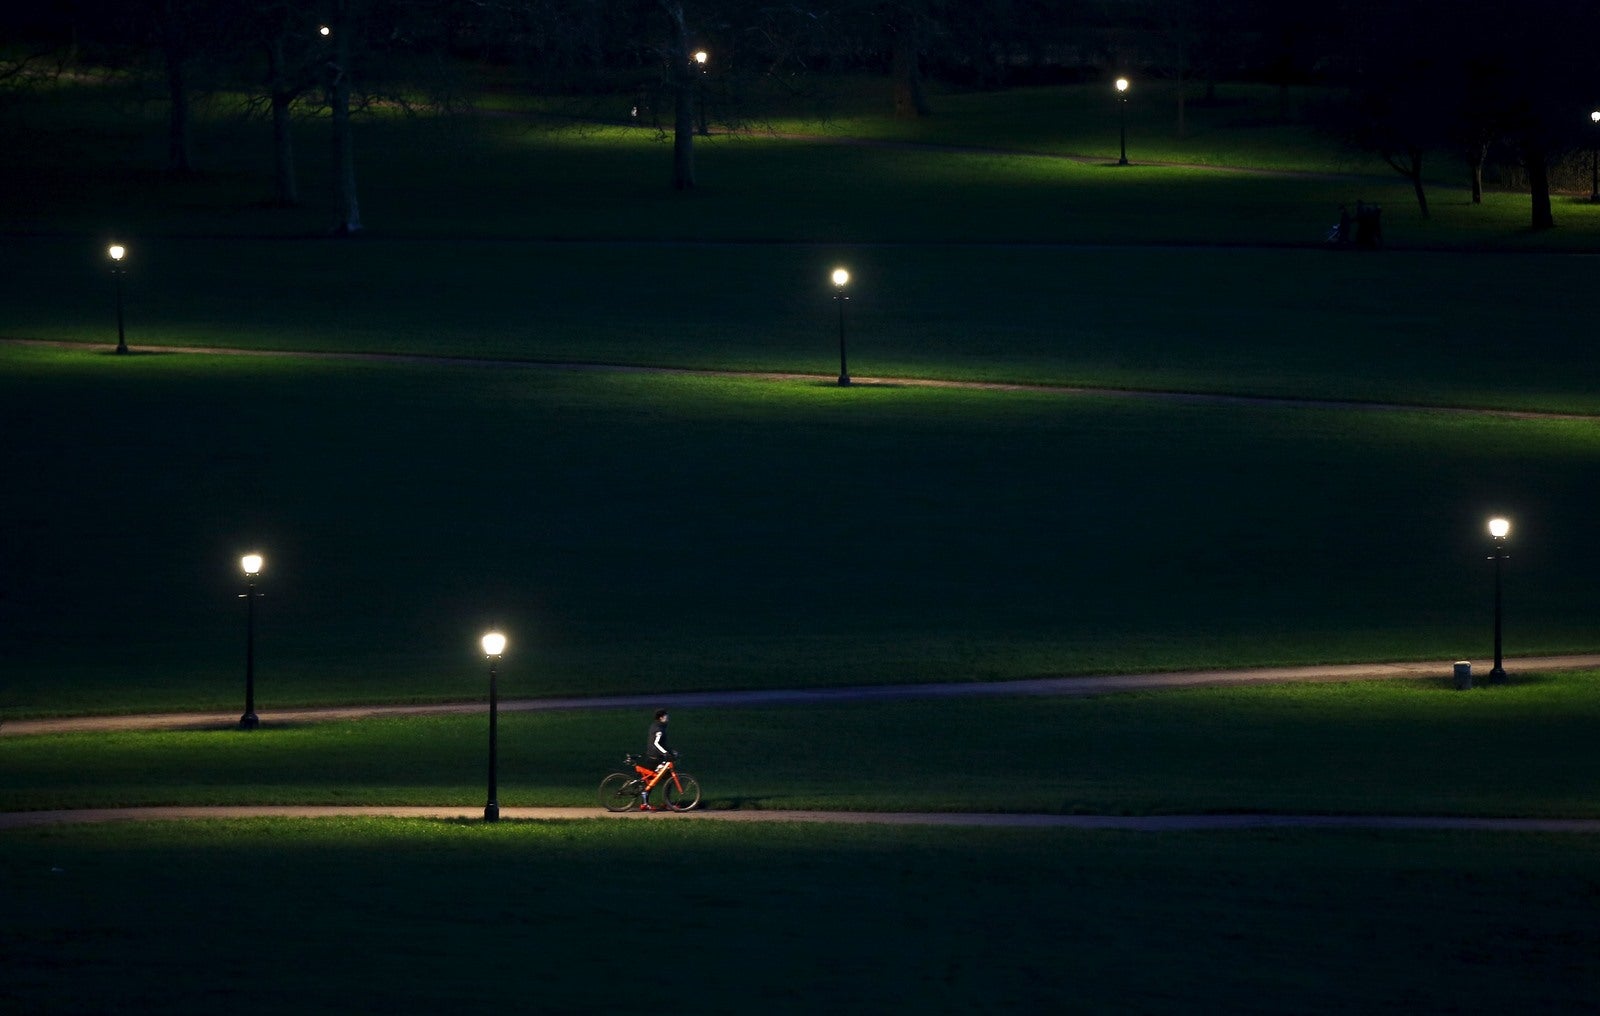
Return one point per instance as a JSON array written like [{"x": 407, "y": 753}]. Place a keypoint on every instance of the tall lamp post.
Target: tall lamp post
[
  {"x": 1122, "y": 119},
  {"x": 1499, "y": 529},
  {"x": 251, "y": 563},
  {"x": 1594, "y": 161},
  {"x": 494, "y": 644},
  {"x": 117, "y": 252},
  {"x": 841, "y": 279},
  {"x": 700, "y": 58}
]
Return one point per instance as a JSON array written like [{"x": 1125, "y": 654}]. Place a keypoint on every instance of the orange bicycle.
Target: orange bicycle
[{"x": 627, "y": 789}]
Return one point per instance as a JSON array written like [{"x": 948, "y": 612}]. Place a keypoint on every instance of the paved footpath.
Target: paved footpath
[
  {"x": 1047, "y": 686},
  {"x": 1127, "y": 823},
  {"x": 1064, "y": 686}
]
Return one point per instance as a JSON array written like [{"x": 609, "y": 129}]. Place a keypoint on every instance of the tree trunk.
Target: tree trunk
[
  {"x": 287, "y": 190},
  {"x": 1183, "y": 78},
  {"x": 179, "y": 151},
  {"x": 681, "y": 79},
  {"x": 1475, "y": 159},
  {"x": 1416, "y": 187},
  {"x": 1539, "y": 180},
  {"x": 1411, "y": 168},
  {"x": 909, "y": 98},
  {"x": 344, "y": 162}
]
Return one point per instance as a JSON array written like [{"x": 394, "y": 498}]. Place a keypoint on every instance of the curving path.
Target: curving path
[
  {"x": 1126, "y": 823},
  {"x": 1069, "y": 686},
  {"x": 1106, "y": 684}
]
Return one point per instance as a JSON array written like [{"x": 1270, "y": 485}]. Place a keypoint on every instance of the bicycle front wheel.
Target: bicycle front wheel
[
  {"x": 681, "y": 791},
  {"x": 619, "y": 792}
]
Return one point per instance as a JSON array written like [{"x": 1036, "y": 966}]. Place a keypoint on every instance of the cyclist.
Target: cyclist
[{"x": 657, "y": 753}]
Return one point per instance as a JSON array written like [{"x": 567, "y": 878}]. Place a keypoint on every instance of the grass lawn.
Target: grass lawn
[
  {"x": 90, "y": 166},
  {"x": 1412, "y": 747},
  {"x": 1484, "y": 330},
  {"x": 330, "y": 916},
  {"x": 637, "y": 532},
  {"x": 664, "y": 533}
]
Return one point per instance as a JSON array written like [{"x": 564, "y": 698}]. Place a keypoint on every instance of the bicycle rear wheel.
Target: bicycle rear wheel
[
  {"x": 619, "y": 792},
  {"x": 681, "y": 793}
]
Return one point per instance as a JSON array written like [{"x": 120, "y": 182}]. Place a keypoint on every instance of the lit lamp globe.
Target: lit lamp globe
[
  {"x": 1499, "y": 528},
  {"x": 494, "y": 644},
  {"x": 251, "y": 563},
  {"x": 700, "y": 57},
  {"x": 841, "y": 277},
  {"x": 117, "y": 252},
  {"x": 1122, "y": 84}
]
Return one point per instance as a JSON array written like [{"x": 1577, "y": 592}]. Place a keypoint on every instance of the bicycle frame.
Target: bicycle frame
[{"x": 652, "y": 777}]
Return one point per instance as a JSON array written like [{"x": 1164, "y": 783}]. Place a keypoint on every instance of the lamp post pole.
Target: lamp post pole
[
  {"x": 1594, "y": 162},
  {"x": 251, "y": 563},
  {"x": 117, "y": 252},
  {"x": 494, "y": 644},
  {"x": 841, "y": 278},
  {"x": 700, "y": 58},
  {"x": 1122, "y": 119},
  {"x": 1499, "y": 529}
]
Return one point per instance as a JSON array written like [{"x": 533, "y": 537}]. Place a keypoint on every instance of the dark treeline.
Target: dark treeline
[{"x": 1417, "y": 81}]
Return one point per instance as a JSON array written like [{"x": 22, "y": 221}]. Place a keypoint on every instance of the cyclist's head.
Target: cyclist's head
[{"x": 661, "y": 715}]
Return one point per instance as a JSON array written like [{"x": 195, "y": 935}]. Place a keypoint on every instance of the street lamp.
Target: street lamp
[
  {"x": 841, "y": 279},
  {"x": 1594, "y": 162},
  {"x": 1499, "y": 529},
  {"x": 117, "y": 252},
  {"x": 251, "y": 563},
  {"x": 1122, "y": 118},
  {"x": 700, "y": 58},
  {"x": 494, "y": 644}
]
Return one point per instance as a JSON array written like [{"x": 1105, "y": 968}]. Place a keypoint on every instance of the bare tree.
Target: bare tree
[
  {"x": 906, "y": 24},
  {"x": 293, "y": 45}
]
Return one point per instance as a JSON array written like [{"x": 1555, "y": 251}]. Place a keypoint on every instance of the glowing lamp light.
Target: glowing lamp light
[
  {"x": 251, "y": 563},
  {"x": 324, "y": 30},
  {"x": 1122, "y": 84},
  {"x": 700, "y": 57},
  {"x": 841, "y": 277},
  {"x": 494, "y": 644},
  {"x": 116, "y": 252},
  {"x": 1499, "y": 528},
  {"x": 1595, "y": 116}
]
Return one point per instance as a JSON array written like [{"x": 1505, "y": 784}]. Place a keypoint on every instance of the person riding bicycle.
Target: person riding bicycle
[{"x": 657, "y": 753}]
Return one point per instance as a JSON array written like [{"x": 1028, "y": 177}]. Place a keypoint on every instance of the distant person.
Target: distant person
[{"x": 657, "y": 752}]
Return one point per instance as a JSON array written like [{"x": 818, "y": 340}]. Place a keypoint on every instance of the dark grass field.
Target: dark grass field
[
  {"x": 1445, "y": 329},
  {"x": 635, "y": 532},
  {"x": 645, "y": 532},
  {"x": 413, "y": 916}
]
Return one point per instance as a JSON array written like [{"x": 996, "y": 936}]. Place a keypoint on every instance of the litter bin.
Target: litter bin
[{"x": 1463, "y": 676}]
